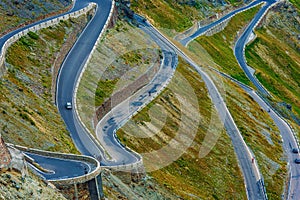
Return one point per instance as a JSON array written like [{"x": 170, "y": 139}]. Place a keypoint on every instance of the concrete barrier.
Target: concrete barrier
[
  {"x": 37, "y": 27},
  {"x": 79, "y": 179},
  {"x": 81, "y": 74},
  {"x": 139, "y": 163},
  {"x": 219, "y": 27}
]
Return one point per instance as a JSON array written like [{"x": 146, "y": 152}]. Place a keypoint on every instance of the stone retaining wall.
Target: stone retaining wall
[
  {"x": 5, "y": 157},
  {"x": 137, "y": 167},
  {"x": 126, "y": 92}
]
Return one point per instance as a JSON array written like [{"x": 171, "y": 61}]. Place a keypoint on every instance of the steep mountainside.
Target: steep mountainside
[
  {"x": 28, "y": 116},
  {"x": 14, "y": 186},
  {"x": 14, "y": 13},
  {"x": 179, "y": 15},
  {"x": 275, "y": 55}
]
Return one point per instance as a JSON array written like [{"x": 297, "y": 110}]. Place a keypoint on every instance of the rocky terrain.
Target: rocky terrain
[{"x": 15, "y": 186}]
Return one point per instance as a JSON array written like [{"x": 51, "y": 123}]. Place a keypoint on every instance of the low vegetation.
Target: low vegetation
[
  {"x": 216, "y": 175},
  {"x": 296, "y": 4},
  {"x": 176, "y": 16},
  {"x": 123, "y": 55},
  {"x": 275, "y": 56},
  {"x": 28, "y": 115},
  {"x": 104, "y": 90},
  {"x": 260, "y": 134},
  {"x": 220, "y": 45},
  {"x": 15, "y": 13}
]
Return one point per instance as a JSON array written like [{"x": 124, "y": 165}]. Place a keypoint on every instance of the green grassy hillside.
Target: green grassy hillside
[
  {"x": 14, "y": 13},
  {"x": 276, "y": 57},
  {"x": 215, "y": 176},
  {"x": 177, "y": 15},
  {"x": 220, "y": 46},
  {"x": 28, "y": 115}
]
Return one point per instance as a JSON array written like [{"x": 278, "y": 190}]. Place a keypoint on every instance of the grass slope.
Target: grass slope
[
  {"x": 14, "y": 13},
  {"x": 260, "y": 134},
  {"x": 176, "y": 15},
  {"x": 220, "y": 45},
  {"x": 275, "y": 56},
  {"x": 27, "y": 114},
  {"x": 215, "y": 176}
]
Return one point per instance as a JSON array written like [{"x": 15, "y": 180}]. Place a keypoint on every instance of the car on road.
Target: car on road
[
  {"x": 297, "y": 160},
  {"x": 295, "y": 150},
  {"x": 69, "y": 105}
]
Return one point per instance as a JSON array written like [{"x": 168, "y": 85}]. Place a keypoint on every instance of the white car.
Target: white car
[{"x": 69, "y": 105}]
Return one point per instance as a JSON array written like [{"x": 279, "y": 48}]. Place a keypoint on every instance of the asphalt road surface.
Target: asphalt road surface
[
  {"x": 61, "y": 168},
  {"x": 73, "y": 65},
  {"x": 253, "y": 181},
  {"x": 241, "y": 43},
  {"x": 205, "y": 28},
  {"x": 120, "y": 114},
  {"x": 68, "y": 77},
  {"x": 65, "y": 89}
]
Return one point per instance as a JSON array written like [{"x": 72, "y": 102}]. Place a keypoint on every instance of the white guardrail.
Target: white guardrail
[
  {"x": 126, "y": 167},
  {"x": 7, "y": 44},
  {"x": 224, "y": 23},
  {"x": 139, "y": 163},
  {"x": 52, "y": 22},
  {"x": 244, "y": 47},
  {"x": 79, "y": 179}
]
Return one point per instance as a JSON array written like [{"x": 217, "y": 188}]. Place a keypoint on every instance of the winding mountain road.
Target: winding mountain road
[
  {"x": 67, "y": 79},
  {"x": 205, "y": 28},
  {"x": 77, "y": 57},
  {"x": 242, "y": 41},
  {"x": 60, "y": 168},
  {"x": 69, "y": 74},
  {"x": 288, "y": 137},
  {"x": 289, "y": 140}
]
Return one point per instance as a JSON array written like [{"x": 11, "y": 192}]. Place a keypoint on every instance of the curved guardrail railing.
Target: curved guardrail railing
[
  {"x": 37, "y": 26},
  {"x": 74, "y": 157},
  {"x": 219, "y": 22}
]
